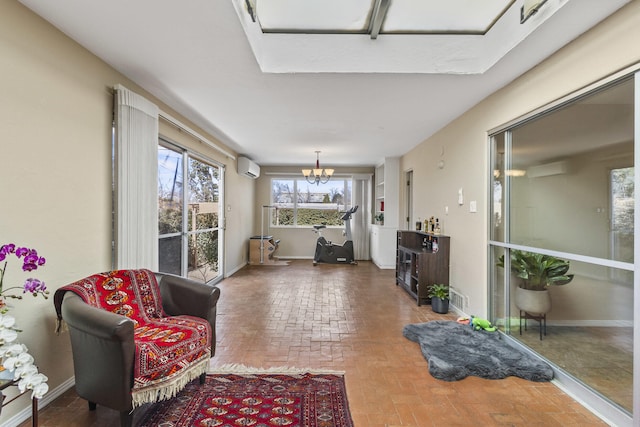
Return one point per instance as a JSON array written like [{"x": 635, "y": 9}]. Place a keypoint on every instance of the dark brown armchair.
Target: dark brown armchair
[{"x": 103, "y": 344}]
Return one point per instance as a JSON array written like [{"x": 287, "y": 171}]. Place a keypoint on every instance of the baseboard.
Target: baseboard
[
  {"x": 285, "y": 257},
  {"x": 52, "y": 395},
  {"x": 459, "y": 312},
  {"x": 592, "y": 323},
  {"x": 386, "y": 267},
  {"x": 310, "y": 258},
  {"x": 515, "y": 321},
  {"x": 235, "y": 270}
]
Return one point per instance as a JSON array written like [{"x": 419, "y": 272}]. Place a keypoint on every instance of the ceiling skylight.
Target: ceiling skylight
[
  {"x": 391, "y": 36},
  {"x": 437, "y": 16},
  {"x": 400, "y": 16},
  {"x": 312, "y": 16}
]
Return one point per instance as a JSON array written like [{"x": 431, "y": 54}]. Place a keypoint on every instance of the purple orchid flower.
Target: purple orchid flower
[
  {"x": 30, "y": 261},
  {"x": 34, "y": 286}
]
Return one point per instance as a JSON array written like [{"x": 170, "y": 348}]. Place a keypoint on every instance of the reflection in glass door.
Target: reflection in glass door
[
  {"x": 562, "y": 186},
  {"x": 189, "y": 209}
]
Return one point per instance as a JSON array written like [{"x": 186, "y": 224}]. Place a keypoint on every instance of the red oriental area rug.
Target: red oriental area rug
[{"x": 299, "y": 399}]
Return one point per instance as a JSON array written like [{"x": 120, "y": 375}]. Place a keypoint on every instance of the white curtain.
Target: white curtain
[
  {"x": 361, "y": 220},
  {"x": 136, "y": 181}
]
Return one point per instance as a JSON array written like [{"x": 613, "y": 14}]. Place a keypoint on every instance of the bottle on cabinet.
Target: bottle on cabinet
[{"x": 431, "y": 225}]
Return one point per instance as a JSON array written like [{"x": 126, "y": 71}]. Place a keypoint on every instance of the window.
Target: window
[
  {"x": 622, "y": 216},
  {"x": 299, "y": 203}
]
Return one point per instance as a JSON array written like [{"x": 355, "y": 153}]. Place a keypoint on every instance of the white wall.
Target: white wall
[
  {"x": 560, "y": 214},
  {"x": 609, "y": 47},
  {"x": 55, "y": 173}
]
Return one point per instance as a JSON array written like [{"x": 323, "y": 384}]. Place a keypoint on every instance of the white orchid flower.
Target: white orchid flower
[
  {"x": 11, "y": 350},
  {"x": 23, "y": 359},
  {"x": 24, "y": 371},
  {"x": 17, "y": 348},
  {"x": 40, "y": 390},
  {"x": 8, "y": 350},
  {"x": 7, "y": 321},
  {"x": 30, "y": 382},
  {"x": 7, "y": 336}
]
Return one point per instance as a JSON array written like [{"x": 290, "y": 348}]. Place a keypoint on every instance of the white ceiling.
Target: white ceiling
[{"x": 277, "y": 98}]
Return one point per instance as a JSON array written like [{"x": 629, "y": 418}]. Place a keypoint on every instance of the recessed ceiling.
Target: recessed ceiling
[
  {"x": 416, "y": 36},
  {"x": 278, "y": 98},
  {"x": 356, "y": 16}
]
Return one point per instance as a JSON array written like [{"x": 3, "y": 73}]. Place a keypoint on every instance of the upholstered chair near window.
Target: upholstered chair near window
[{"x": 137, "y": 337}]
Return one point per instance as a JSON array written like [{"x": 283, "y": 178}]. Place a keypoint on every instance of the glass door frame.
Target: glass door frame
[
  {"x": 588, "y": 397},
  {"x": 185, "y": 234}
]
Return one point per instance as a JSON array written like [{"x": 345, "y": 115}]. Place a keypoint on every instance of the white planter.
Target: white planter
[{"x": 533, "y": 302}]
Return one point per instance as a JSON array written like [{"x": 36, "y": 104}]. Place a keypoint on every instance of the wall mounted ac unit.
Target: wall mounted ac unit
[
  {"x": 248, "y": 168},
  {"x": 556, "y": 168}
]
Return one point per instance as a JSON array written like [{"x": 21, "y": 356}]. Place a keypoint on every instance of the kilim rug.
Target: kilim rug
[{"x": 259, "y": 398}]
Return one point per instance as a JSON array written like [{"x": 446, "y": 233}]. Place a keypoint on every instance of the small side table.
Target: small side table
[
  {"x": 5, "y": 383},
  {"x": 540, "y": 318}
]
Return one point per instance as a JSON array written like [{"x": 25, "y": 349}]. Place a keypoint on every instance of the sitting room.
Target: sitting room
[{"x": 295, "y": 180}]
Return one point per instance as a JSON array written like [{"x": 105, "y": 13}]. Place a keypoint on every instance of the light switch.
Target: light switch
[
  {"x": 473, "y": 206},
  {"x": 460, "y": 197}
]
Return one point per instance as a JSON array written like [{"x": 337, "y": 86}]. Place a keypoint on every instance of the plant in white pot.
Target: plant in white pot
[
  {"x": 537, "y": 272},
  {"x": 439, "y": 295}
]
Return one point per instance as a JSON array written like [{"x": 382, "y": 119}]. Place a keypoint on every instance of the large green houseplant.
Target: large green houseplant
[{"x": 536, "y": 273}]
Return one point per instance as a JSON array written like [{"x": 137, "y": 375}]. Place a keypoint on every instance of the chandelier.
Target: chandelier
[{"x": 317, "y": 176}]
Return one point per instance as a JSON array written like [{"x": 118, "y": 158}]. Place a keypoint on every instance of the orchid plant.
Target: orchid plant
[{"x": 14, "y": 355}]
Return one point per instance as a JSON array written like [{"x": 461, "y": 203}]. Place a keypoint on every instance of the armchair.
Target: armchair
[{"x": 137, "y": 337}]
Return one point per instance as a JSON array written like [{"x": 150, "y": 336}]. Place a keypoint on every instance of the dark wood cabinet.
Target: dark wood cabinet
[{"x": 422, "y": 260}]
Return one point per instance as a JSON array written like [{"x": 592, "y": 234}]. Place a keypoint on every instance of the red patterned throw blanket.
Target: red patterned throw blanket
[{"x": 170, "y": 351}]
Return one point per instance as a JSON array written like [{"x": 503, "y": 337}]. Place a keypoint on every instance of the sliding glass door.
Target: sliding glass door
[
  {"x": 189, "y": 210},
  {"x": 562, "y": 190}
]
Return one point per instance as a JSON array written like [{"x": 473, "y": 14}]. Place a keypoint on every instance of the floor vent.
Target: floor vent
[{"x": 456, "y": 299}]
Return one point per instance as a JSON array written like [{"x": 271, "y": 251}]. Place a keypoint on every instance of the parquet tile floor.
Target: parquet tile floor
[{"x": 350, "y": 318}]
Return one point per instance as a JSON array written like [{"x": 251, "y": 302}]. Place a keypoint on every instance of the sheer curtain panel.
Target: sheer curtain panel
[
  {"x": 362, "y": 218},
  {"x": 136, "y": 181}
]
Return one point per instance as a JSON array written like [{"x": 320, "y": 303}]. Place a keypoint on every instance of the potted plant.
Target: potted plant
[
  {"x": 379, "y": 218},
  {"x": 536, "y": 273},
  {"x": 439, "y": 295}
]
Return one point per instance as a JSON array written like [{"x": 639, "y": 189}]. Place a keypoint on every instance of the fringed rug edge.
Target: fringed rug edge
[{"x": 240, "y": 369}]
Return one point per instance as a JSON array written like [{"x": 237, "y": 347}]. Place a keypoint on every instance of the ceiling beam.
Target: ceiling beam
[{"x": 380, "y": 9}]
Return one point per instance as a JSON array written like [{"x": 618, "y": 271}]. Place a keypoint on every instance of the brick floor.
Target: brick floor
[{"x": 350, "y": 318}]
